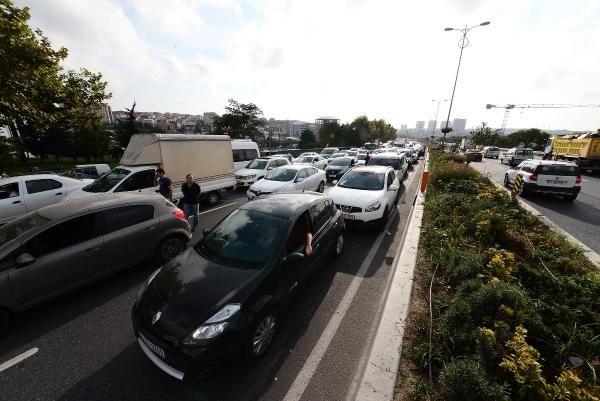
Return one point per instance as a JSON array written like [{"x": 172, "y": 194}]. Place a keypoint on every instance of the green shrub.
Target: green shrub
[{"x": 465, "y": 380}]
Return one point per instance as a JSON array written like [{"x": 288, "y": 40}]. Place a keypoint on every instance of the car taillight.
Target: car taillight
[
  {"x": 533, "y": 177},
  {"x": 179, "y": 214},
  {"x": 578, "y": 180}
]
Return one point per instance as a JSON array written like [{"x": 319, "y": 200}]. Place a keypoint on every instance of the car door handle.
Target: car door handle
[
  {"x": 91, "y": 250},
  {"x": 15, "y": 202},
  {"x": 148, "y": 229},
  {"x": 58, "y": 193}
]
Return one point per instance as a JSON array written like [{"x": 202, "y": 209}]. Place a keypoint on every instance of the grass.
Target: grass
[
  {"x": 16, "y": 167},
  {"x": 516, "y": 307}
]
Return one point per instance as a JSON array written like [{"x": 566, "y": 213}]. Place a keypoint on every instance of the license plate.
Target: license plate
[
  {"x": 349, "y": 216},
  {"x": 155, "y": 348},
  {"x": 556, "y": 182}
]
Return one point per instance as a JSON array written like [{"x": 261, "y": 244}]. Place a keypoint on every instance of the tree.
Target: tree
[
  {"x": 240, "y": 120},
  {"x": 307, "y": 139},
  {"x": 533, "y": 138},
  {"x": 484, "y": 135},
  {"x": 127, "y": 128}
]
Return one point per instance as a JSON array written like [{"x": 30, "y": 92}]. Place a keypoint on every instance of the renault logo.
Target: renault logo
[{"x": 156, "y": 317}]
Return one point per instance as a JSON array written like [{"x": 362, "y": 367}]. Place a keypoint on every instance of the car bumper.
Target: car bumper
[
  {"x": 244, "y": 183},
  {"x": 529, "y": 187},
  {"x": 366, "y": 218}
]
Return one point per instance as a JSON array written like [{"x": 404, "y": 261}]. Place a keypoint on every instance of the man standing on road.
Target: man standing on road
[
  {"x": 367, "y": 158},
  {"x": 191, "y": 199},
  {"x": 165, "y": 185}
]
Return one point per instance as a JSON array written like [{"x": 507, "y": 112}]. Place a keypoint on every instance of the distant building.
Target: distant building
[
  {"x": 404, "y": 128},
  {"x": 443, "y": 124},
  {"x": 431, "y": 125},
  {"x": 420, "y": 125},
  {"x": 459, "y": 125}
]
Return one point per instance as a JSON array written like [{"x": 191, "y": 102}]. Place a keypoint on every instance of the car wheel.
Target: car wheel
[
  {"x": 4, "y": 320},
  {"x": 169, "y": 248},
  {"x": 213, "y": 198},
  {"x": 321, "y": 187},
  {"x": 261, "y": 334},
  {"x": 383, "y": 221},
  {"x": 339, "y": 245},
  {"x": 524, "y": 192},
  {"x": 506, "y": 182},
  {"x": 569, "y": 198}
]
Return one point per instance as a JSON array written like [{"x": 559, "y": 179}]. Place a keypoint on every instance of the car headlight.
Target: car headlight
[
  {"x": 249, "y": 177},
  {"x": 373, "y": 206},
  {"x": 147, "y": 283},
  {"x": 214, "y": 326}
]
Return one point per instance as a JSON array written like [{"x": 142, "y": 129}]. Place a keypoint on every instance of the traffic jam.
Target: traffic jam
[{"x": 213, "y": 293}]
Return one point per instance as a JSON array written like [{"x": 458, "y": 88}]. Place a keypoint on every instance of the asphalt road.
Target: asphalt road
[
  {"x": 580, "y": 218},
  {"x": 87, "y": 351}
]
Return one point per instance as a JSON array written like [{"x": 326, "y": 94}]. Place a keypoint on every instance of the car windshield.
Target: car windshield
[
  {"x": 14, "y": 229},
  {"x": 385, "y": 161},
  {"x": 366, "y": 180},
  {"x": 340, "y": 162},
  {"x": 246, "y": 239},
  {"x": 257, "y": 164},
  {"x": 328, "y": 151},
  {"x": 282, "y": 174},
  {"x": 107, "y": 181},
  {"x": 307, "y": 160}
]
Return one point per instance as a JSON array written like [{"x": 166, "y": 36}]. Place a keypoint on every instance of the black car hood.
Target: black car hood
[{"x": 190, "y": 289}]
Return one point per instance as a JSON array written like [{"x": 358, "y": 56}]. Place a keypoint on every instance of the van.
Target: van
[
  {"x": 209, "y": 158},
  {"x": 244, "y": 151},
  {"x": 514, "y": 156},
  {"x": 491, "y": 152}
]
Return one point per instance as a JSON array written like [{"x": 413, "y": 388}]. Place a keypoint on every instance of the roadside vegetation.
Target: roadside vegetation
[{"x": 515, "y": 307}]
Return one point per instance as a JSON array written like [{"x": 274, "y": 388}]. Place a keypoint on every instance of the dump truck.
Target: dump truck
[{"x": 581, "y": 149}]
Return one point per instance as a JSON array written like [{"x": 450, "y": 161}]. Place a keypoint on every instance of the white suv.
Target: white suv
[
  {"x": 257, "y": 169},
  {"x": 546, "y": 176}
]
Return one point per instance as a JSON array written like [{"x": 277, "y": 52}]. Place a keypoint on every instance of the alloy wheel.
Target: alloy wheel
[
  {"x": 265, "y": 331},
  {"x": 321, "y": 187},
  {"x": 339, "y": 244},
  {"x": 171, "y": 248}
]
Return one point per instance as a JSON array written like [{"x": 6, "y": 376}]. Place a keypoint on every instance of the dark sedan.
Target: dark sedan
[
  {"x": 337, "y": 167},
  {"x": 227, "y": 294}
]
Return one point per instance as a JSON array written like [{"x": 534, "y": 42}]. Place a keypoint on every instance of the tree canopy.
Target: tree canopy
[
  {"x": 307, "y": 139},
  {"x": 356, "y": 133},
  {"x": 240, "y": 120}
]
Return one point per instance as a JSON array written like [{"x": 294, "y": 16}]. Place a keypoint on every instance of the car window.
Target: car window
[
  {"x": 301, "y": 174},
  {"x": 320, "y": 213},
  {"x": 390, "y": 180},
  {"x": 64, "y": 235},
  {"x": 126, "y": 216},
  {"x": 282, "y": 162},
  {"x": 297, "y": 239},
  {"x": 10, "y": 190},
  {"x": 520, "y": 166},
  {"x": 527, "y": 167},
  {"x": 392, "y": 177},
  {"x": 558, "y": 169},
  {"x": 272, "y": 164},
  {"x": 36, "y": 186},
  {"x": 250, "y": 154},
  {"x": 137, "y": 181}
]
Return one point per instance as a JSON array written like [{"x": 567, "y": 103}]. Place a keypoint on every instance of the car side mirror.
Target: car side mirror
[
  {"x": 393, "y": 187},
  {"x": 294, "y": 257},
  {"x": 24, "y": 259}
]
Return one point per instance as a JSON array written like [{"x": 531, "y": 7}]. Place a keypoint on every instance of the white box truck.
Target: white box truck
[{"x": 208, "y": 158}]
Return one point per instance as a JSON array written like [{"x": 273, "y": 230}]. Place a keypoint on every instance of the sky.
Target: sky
[{"x": 302, "y": 59}]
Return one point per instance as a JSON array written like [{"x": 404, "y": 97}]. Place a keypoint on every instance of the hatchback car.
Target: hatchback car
[
  {"x": 367, "y": 194},
  {"x": 312, "y": 160},
  {"x": 287, "y": 179},
  {"x": 257, "y": 169},
  {"x": 546, "y": 176},
  {"x": 64, "y": 246},
  {"x": 337, "y": 167},
  {"x": 228, "y": 293}
]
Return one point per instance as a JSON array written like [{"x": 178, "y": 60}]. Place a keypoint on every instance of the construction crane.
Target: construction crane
[{"x": 508, "y": 107}]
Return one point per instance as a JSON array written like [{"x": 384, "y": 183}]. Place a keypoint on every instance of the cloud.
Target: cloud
[{"x": 174, "y": 17}]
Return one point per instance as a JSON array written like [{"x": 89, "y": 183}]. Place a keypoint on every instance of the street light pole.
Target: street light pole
[
  {"x": 437, "y": 111},
  {"x": 462, "y": 43}
]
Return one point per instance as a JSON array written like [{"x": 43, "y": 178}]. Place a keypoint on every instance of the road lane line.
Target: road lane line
[
  {"x": 18, "y": 359},
  {"x": 217, "y": 208}
]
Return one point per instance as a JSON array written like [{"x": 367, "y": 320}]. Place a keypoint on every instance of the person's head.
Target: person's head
[
  {"x": 189, "y": 179},
  {"x": 160, "y": 172}
]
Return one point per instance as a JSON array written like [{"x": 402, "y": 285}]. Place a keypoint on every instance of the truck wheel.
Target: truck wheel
[{"x": 213, "y": 198}]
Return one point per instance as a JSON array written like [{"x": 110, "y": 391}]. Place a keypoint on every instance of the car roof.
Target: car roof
[
  {"x": 28, "y": 176},
  {"x": 294, "y": 166},
  {"x": 387, "y": 155},
  {"x": 285, "y": 204},
  {"x": 549, "y": 162},
  {"x": 64, "y": 209},
  {"x": 372, "y": 169}
]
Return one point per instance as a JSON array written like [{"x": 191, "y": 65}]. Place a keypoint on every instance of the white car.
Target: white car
[
  {"x": 289, "y": 178},
  {"x": 257, "y": 169},
  {"x": 305, "y": 154},
  {"x": 546, "y": 176},
  {"x": 367, "y": 194},
  {"x": 26, "y": 193},
  {"x": 397, "y": 161},
  {"x": 313, "y": 160}
]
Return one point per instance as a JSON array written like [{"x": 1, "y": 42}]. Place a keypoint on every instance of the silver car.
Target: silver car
[{"x": 64, "y": 246}]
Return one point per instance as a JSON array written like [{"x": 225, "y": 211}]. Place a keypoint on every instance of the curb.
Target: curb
[
  {"x": 379, "y": 377},
  {"x": 587, "y": 251}
]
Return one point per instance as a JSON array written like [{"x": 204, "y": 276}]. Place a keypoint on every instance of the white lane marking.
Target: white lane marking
[
  {"x": 220, "y": 207},
  {"x": 310, "y": 366},
  {"x": 18, "y": 359}
]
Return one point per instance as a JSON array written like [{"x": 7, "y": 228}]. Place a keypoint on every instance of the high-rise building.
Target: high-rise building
[
  {"x": 420, "y": 125},
  {"x": 431, "y": 125},
  {"x": 443, "y": 124},
  {"x": 459, "y": 125}
]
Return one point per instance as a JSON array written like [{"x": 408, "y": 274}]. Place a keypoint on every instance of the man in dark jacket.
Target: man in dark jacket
[{"x": 191, "y": 199}]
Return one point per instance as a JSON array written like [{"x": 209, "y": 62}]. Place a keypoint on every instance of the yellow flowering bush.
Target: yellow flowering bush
[{"x": 501, "y": 263}]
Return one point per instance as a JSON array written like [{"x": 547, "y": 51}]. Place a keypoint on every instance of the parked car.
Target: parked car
[
  {"x": 491, "y": 152},
  {"x": 227, "y": 295},
  {"x": 287, "y": 179},
  {"x": 412, "y": 157},
  {"x": 244, "y": 151},
  {"x": 87, "y": 171},
  {"x": 257, "y": 169},
  {"x": 360, "y": 158},
  {"x": 305, "y": 154},
  {"x": 514, "y": 156},
  {"x": 64, "y": 246},
  {"x": 473, "y": 155},
  {"x": 313, "y": 160},
  {"x": 367, "y": 194},
  {"x": 337, "y": 167},
  {"x": 339, "y": 154},
  {"x": 546, "y": 176},
  {"x": 26, "y": 193},
  {"x": 396, "y": 161},
  {"x": 327, "y": 152}
]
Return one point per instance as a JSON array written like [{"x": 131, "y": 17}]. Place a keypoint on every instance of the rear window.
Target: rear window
[{"x": 557, "y": 169}]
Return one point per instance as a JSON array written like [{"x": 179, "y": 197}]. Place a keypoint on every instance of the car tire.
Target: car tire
[
  {"x": 524, "y": 192},
  {"x": 383, "y": 221},
  {"x": 213, "y": 198},
  {"x": 169, "y": 248},
  {"x": 569, "y": 198},
  {"x": 338, "y": 246},
  {"x": 506, "y": 182},
  {"x": 5, "y": 319},
  {"x": 321, "y": 187},
  {"x": 264, "y": 328}
]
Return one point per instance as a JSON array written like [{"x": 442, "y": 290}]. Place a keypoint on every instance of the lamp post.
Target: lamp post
[
  {"x": 462, "y": 43},
  {"x": 437, "y": 111}
]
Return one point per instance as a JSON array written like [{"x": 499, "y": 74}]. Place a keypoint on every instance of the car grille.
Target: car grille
[{"x": 349, "y": 209}]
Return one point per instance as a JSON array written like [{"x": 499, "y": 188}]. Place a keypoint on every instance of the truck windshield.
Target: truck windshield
[{"x": 107, "y": 181}]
